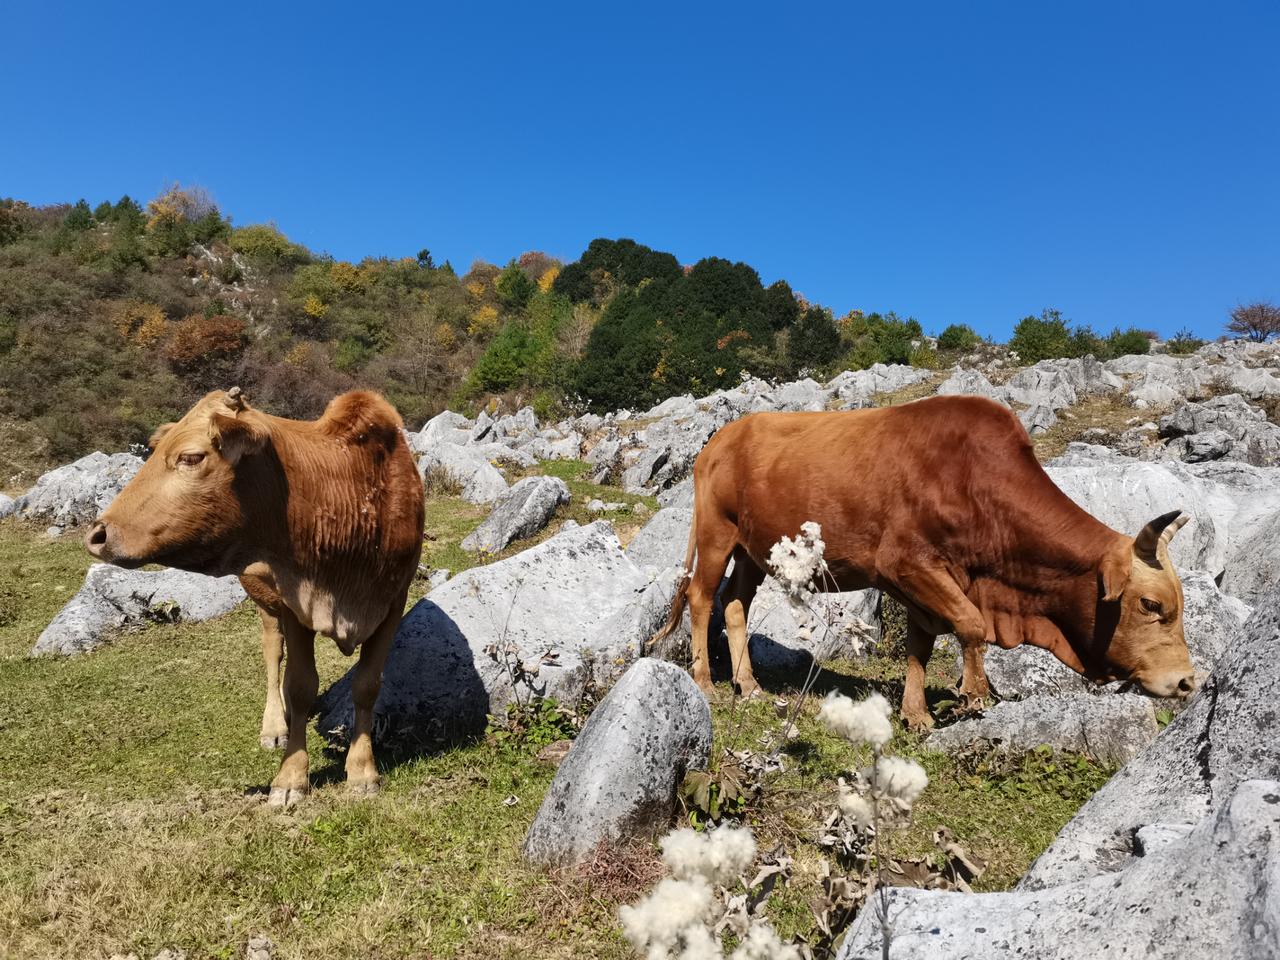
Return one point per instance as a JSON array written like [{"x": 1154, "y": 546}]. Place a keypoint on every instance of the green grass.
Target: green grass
[{"x": 132, "y": 814}]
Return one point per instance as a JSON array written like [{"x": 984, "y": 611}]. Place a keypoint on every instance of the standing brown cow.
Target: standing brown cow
[
  {"x": 322, "y": 522},
  {"x": 942, "y": 504}
]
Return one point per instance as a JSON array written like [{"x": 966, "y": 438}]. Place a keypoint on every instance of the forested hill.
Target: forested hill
[{"x": 117, "y": 317}]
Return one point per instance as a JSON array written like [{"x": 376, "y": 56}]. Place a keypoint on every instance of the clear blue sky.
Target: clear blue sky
[{"x": 969, "y": 162}]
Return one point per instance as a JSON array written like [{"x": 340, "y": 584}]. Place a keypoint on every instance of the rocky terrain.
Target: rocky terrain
[{"x": 1128, "y": 439}]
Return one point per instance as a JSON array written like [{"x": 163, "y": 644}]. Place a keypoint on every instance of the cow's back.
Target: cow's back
[{"x": 928, "y": 471}]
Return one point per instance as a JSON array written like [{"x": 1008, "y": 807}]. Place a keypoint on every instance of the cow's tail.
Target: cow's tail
[{"x": 681, "y": 597}]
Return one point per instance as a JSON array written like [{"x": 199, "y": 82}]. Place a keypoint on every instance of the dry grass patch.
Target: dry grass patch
[{"x": 1112, "y": 413}]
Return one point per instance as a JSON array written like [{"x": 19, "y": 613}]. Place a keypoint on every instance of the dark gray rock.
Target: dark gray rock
[
  {"x": 113, "y": 599},
  {"x": 1210, "y": 894},
  {"x": 78, "y": 492},
  {"x": 520, "y": 512},
  {"x": 619, "y": 781},
  {"x": 1112, "y": 729}
]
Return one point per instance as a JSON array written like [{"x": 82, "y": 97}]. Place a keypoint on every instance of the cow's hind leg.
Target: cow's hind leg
[
  {"x": 362, "y": 771},
  {"x": 915, "y": 709},
  {"x": 716, "y": 539},
  {"x": 301, "y": 683},
  {"x": 743, "y": 583},
  {"x": 275, "y": 729}
]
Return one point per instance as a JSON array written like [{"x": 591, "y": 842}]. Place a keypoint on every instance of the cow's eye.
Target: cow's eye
[
  {"x": 1152, "y": 606},
  {"x": 190, "y": 459}
]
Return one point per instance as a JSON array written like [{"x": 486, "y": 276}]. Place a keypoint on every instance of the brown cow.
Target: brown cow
[
  {"x": 942, "y": 504},
  {"x": 322, "y": 522}
]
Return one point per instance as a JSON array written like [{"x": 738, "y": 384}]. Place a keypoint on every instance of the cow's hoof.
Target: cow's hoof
[
  {"x": 287, "y": 796},
  {"x": 367, "y": 788},
  {"x": 274, "y": 743},
  {"x": 918, "y": 722},
  {"x": 708, "y": 689},
  {"x": 749, "y": 692}
]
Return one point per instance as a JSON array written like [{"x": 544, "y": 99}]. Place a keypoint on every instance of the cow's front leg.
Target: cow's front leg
[
  {"x": 362, "y": 770},
  {"x": 915, "y": 709},
  {"x": 275, "y": 729},
  {"x": 974, "y": 689},
  {"x": 933, "y": 590},
  {"x": 301, "y": 683}
]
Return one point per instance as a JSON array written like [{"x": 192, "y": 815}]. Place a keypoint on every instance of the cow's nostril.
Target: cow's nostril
[
  {"x": 96, "y": 538},
  {"x": 1186, "y": 685}
]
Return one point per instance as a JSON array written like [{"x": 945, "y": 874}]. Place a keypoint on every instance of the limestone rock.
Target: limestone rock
[
  {"x": 113, "y": 599},
  {"x": 520, "y": 512},
  {"x": 619, "y": 780}
]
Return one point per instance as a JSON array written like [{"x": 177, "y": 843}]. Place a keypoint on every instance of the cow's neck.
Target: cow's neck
[{"x": 1047, "y": 592}]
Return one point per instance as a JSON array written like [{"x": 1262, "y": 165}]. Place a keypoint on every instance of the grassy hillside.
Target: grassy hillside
[
  {"x": 132, "y": 792},
  {"x": 117, "y": 317}
]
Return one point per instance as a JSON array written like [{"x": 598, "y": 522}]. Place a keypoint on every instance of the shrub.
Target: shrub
[
  {"x": 1045, "y": 337},
  {"x": 267, "y": 246},
  {"x": 1121, "y": 343},
  {"x": 1184, "y": 342},
  {"x": 957, "y": 336}
]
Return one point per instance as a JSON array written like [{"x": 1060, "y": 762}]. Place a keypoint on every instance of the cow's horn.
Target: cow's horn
[
  {"x": 1158, "y": 533},
  {"x": 235, "y": 398}
]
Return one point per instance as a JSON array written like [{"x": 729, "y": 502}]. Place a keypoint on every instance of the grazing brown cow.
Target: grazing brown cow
[
  {"x": 322, "y": 522},
  {"x": 942, "y": 504}
]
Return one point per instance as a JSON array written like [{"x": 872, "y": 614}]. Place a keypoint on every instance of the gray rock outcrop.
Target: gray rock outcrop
[
  {"x": 548, "y": 621},
  {"x": 619, "y": 781},
  {"x": 1207, "y": 893},
  {"x": 520, "y": 512},
  {"x": 1111, "y": 729},
  {"x": 113, "y": 599},
  {"x": 78, "y": 492},
  {"x": 1224, "y": 737}
]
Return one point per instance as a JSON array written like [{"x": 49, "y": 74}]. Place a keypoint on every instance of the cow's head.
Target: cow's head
[
  {"x": 184, "y": 507},
  {"x": 1140, "y": 613}
]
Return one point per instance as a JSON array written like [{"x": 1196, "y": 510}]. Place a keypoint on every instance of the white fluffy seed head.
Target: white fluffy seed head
[
  {"x": 795, "y": 563},
  {"x": 900, "y": 779},
  {"x": 658, "y": 924},
  {"x": 762, "y": 943},
  {"x": 866, "y": 721},
  {"x": 855, "y": 808},
  {"x": 716, "y": 856}
]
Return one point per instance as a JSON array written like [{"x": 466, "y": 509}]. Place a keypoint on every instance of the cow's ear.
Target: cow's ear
[
  {"x": 236, "y": 437},
  {"x": 159, "y": 435},
  {"x": 1114, "y": 571}
]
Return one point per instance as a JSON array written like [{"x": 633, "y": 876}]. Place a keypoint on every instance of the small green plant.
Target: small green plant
[
  {"x": 1183, "y": 342},
  {"x": 711, "y": 796},
  {"x": 537, "y": 723}
]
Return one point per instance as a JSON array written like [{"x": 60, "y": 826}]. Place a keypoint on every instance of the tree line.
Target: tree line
[{"x": 118, "y": 316}]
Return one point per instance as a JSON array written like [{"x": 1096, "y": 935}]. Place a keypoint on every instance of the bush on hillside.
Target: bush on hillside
[{"x": 957, "y": 336}]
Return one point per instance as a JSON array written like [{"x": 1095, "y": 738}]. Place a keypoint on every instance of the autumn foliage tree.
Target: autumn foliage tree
[{"x": 1258, "y": 322}]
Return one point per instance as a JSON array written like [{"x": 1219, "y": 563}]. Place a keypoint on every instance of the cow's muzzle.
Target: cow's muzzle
[{"x": 99, "y": 541}]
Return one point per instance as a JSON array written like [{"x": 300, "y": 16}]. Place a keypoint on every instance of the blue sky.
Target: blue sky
[{"x": 957, "y": 162}]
